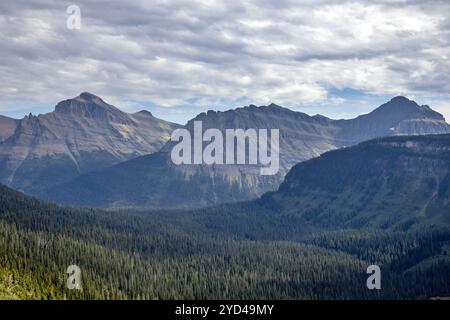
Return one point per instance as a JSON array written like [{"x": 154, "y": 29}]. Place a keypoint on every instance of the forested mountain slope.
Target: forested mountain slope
[{"x": 176, "y": 255}]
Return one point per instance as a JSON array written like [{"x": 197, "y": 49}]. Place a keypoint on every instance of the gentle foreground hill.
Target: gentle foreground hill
[
  {"x": 82, "y": 134},
  {"x": 153, "y": 181}
]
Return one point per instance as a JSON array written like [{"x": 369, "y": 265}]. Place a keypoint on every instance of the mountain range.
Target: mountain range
[
  {"x": 82, "y": 134},
  {"x": 153, "y": 181},
  {"x": 396, "y": 184},
  {"x": 383, "y": 202}
]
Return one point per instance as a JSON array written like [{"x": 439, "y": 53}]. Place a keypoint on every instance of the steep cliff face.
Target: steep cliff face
[
  {"x": 7, "y": 127},
  {"x": 163, "y": 184},
  {"x": 81, "y": 135},
  {"x": 301, "y": 137},
  {"x": 391, "y": 182}
]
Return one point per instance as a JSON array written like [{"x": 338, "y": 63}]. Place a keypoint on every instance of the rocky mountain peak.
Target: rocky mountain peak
[
  {"x": 144, "y": 113},
  {"x": 402, "y": 107},
  {"x": 400, "y": 99},
  {"x": 87, "y": 105},
  {"x": 87, "y": 96},
  {"x": 82, "y": 134},
  {"x": 273, "y": 105}
]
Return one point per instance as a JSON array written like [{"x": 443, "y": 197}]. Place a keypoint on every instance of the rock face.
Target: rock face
[
  {"x": 7, "y": 127},
  {"x": 155, "y": 182},
  {"x": 400, "y": 116},
  {"x": 394, "y": 182},
  {"x": 80, "y": 135}
]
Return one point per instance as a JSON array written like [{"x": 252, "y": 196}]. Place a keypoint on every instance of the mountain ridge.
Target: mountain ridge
[
  {"x": 80, "y": 135},
  {"x": 302, "y": 137},
  {"x": 392, "y": 182}
]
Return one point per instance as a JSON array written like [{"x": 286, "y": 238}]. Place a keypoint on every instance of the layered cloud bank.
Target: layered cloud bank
[{"x": 179, "y": 57}]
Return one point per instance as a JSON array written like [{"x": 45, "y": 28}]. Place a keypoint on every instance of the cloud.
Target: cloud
[{"x": 193, "y": 55}]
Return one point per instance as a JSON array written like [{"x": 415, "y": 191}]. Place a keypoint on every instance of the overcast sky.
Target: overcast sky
[{"x": 177, "y": 58}]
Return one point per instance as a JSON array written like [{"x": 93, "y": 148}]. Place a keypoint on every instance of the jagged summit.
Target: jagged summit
[
  {"x": 398, "y": 103},
  {"x": 144, "y": 113},
  {"x": 87, "y": 96},
  {"x": 250, "y": 116},
  {"x": 90, "y": 105},
  {"x": 401, "y": 106},
  {"x": 86, "y": 105},
  {"x": 400, "y": 99}
]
